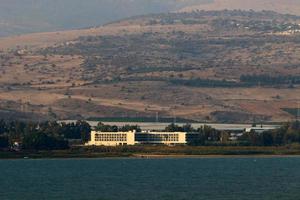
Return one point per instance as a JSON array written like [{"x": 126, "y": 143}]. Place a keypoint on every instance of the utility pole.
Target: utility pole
[
  {"x": 174, "y": 120},
  {"x": 298, "y": 110},
  {"x": 22, "y": 106}
]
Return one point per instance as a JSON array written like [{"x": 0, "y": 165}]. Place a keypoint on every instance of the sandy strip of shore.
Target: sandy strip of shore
[{"x": 154, "y": 156}]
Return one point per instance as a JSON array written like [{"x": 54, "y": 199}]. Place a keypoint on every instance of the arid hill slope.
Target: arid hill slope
[{"x": 226, "y": 66}]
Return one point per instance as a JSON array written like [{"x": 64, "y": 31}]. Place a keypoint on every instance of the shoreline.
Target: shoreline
[
  {"x": 145, "y": 156},
  {"x": 157, "y": 152},
  {"x": 152, "y": 156}
]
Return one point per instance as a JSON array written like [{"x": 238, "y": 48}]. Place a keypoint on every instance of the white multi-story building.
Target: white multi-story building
[
  {"x": 133, "y": 137},
  {"x": 167, "y": 138},
  {"x": 112, "y": 138}
]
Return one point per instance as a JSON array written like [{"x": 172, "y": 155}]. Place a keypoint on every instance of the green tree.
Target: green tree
[
  {"x": 85, "y": 130},
  {"x": 4, "y": 143},
  {"x": 41, "y": 141}
]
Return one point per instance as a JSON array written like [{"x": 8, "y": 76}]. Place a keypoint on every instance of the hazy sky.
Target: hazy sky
[{"x": 18, "y": 16}]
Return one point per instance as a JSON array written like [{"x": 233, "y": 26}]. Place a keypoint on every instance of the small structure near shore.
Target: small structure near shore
[{"x": 258, "y": 129}]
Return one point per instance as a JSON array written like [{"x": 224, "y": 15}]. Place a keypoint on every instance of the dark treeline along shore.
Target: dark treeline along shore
[{"x": 52, "y": 139}]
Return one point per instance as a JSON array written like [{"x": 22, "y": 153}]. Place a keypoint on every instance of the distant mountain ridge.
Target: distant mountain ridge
[
  {"x": 281, "y": 6},
  {"x": 28, "y": 16}
]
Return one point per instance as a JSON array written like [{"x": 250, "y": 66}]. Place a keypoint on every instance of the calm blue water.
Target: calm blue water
[{"x": 146, "y": 179}]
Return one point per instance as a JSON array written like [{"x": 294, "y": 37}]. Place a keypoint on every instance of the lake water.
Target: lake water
[{"x": 151, "y": 179}]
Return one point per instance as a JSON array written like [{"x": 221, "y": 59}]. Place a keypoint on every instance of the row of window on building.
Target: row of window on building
[{"x": 111, "y": 137}]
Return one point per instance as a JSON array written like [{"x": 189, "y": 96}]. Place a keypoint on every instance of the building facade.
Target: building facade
[
  {"x": 133, "y": 138},
  {"x": 112, "y": 138},
  {"x": 167, "y": 138}
]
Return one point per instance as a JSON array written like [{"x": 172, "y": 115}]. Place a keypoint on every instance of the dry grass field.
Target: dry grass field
[{"x": 49, "y": 75}]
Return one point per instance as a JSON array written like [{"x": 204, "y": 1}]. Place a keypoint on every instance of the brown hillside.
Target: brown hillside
[{"x": 227, "y": 66}]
